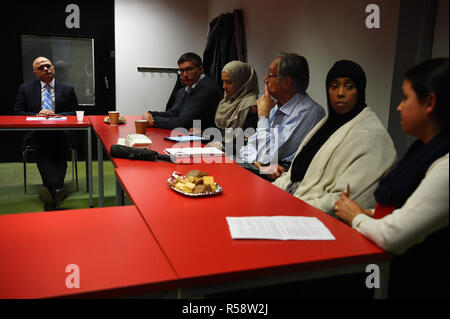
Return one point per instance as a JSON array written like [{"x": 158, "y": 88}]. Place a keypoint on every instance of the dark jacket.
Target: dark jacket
[
  {"x": 28, "y": 100},
  {"x": 201, "y": 104},
  {"x": 225, "y": 43}
]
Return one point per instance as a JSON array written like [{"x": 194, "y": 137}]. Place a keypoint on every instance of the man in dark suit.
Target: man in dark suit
[
  {"x": 197, "y": 100},
  {"x": 48, "y": 97}
]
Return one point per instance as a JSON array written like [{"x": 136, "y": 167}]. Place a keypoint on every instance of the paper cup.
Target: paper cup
[
  {"x": 80, "y": 116},
  {"x": 141, "y": 126},
  {"x": 113, "y": 118}
]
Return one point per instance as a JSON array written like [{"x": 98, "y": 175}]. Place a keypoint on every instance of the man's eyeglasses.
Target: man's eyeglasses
[
  {"x": 272, "y": 75},
  {"x": 41, "y": 67},
  {"x": 187, "y": 70}
]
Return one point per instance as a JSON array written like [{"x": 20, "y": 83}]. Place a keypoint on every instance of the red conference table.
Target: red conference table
[
  {"x": 194, "y": 234},
  {"x": 108, "y": 135},
  {"x": 20, "y": 123},
  {"x": 113, "y": 248}
]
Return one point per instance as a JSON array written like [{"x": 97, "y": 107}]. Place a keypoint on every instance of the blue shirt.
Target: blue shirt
[{"x": 278, "y": 137}]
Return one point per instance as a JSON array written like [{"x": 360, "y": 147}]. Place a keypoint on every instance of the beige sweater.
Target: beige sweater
[{"x": 359, "y": 154}]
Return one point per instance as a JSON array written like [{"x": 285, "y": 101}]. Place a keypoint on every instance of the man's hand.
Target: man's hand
[
  {"x": 148, "y": 116},
  {"x": 216, "y": 144},
  {"x": 46, "y": 113},
  {"x": 265, "y": 103},
  {"x": 195, "y": 131},
  {"x": 272, "y": 171}
]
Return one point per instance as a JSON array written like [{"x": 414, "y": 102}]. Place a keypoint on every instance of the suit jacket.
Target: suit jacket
[
  {"x": 29, "y": 97},
  {"x": 201, "y": 104}
]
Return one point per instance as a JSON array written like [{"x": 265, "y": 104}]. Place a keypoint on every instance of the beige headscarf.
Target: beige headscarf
[{"x": 232, "y": 111}]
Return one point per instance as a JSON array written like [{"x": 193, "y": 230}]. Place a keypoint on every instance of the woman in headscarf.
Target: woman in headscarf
[
  {"x": 412, "y": 208},
  {"x": 348, "y": 147},
  {"x": 240, "y": 84}
]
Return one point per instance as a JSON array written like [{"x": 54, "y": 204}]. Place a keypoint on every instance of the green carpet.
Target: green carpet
[{"x": 13, "y": 200}]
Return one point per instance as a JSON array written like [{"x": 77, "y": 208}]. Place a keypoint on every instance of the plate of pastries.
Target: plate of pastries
[{"x": 194, "y": 184}]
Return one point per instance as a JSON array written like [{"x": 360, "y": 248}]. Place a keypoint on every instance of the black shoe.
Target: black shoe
[
  {"x": 49, "y": 207},
  {"x": 60, "y": 195},
  {"x": 46, "y": 196}
]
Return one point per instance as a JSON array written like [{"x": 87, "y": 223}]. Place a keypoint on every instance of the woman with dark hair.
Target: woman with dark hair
[
  {"x": 412, "y": 212},
  {"x": 348, "y": 146}
]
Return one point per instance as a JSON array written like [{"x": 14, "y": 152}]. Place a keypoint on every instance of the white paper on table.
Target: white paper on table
[
  {"x": 35, "y": 118},
  {"x": 278, "y": 228},
  {"x": 193, "y": 151},
  {"x": 57, "y": 118}
]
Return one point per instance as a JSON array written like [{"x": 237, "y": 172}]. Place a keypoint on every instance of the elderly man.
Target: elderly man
[
  {"x": 283, "y": 123},
  {"x": 198, "y": 100},
  {"x": 48, "y": 97}
]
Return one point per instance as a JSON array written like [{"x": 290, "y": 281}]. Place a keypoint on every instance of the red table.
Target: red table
[
  {"x": 194, "y": 233},
  {"x": 20, "y": 123},
  {"x": 108, "y": 135},
  {"x": 113, "y": 248}
]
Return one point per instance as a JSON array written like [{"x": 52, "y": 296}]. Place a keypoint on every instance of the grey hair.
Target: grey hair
[{"x": 296, "y": 67}]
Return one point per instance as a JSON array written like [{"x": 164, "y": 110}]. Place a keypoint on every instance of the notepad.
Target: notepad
[
  {"x": 135, "y": 140},
  {"x": 193, "y": 151},
  {"x": 278, "y": 228},
  {"x": 186, "y": 138}
]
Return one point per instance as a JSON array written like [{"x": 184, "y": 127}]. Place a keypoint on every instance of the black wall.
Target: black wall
[
  {"x": 414, "y": 45},
  {"x": 48, "y": 18}
]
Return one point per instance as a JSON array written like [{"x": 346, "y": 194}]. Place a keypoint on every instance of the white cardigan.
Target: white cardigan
[
  {"x": 359, "y": 154},
  {"x": 425, "y": 211}
]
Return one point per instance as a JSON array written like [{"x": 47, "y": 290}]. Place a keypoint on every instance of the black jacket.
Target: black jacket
[
  {"x": 29, "y": 97},
  {"x": 225, "y": 43},
  {"x": 201, "y": 104}
]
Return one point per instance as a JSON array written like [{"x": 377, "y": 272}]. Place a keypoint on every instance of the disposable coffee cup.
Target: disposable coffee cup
[
  {"x": 113, "y": 118},
  {"x": 141, "y": 126},
  {"x": 80, "y": 116}
]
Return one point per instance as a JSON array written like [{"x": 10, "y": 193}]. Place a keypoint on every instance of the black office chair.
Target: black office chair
[{"x": 28, "y": 149}]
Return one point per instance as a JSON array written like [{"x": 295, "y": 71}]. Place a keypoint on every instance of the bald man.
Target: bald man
[{"x": 47, "y": 97}]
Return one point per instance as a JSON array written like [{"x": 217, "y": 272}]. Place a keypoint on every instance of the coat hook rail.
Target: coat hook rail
[{"x": 156, "y": 69}]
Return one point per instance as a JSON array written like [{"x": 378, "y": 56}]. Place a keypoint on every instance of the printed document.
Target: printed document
[
  {"x": 43, "y": 118},
  {"x": 278, "y": 228},
  {"x": 193, "y": 151}
]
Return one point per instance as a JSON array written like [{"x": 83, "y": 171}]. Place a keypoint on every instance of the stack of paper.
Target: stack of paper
[
  {"x": 43, "y": 118},
  {"x": 185, "y": 138},
  {"x": 137, "y": 140},
  {"x": 278, "y": 228},
  {"x": 193, "y": 151}
]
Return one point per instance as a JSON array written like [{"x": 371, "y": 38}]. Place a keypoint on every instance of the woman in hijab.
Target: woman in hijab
[
  {"x": 411, "y": 215},
  {"x": 240, "y": 84},
  {"x": 349, "y": 146}
]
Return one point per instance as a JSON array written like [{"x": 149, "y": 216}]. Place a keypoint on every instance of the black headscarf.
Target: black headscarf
[
  {"x": 341, "y": 69},
  {"x": 401, "y": 182}
]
